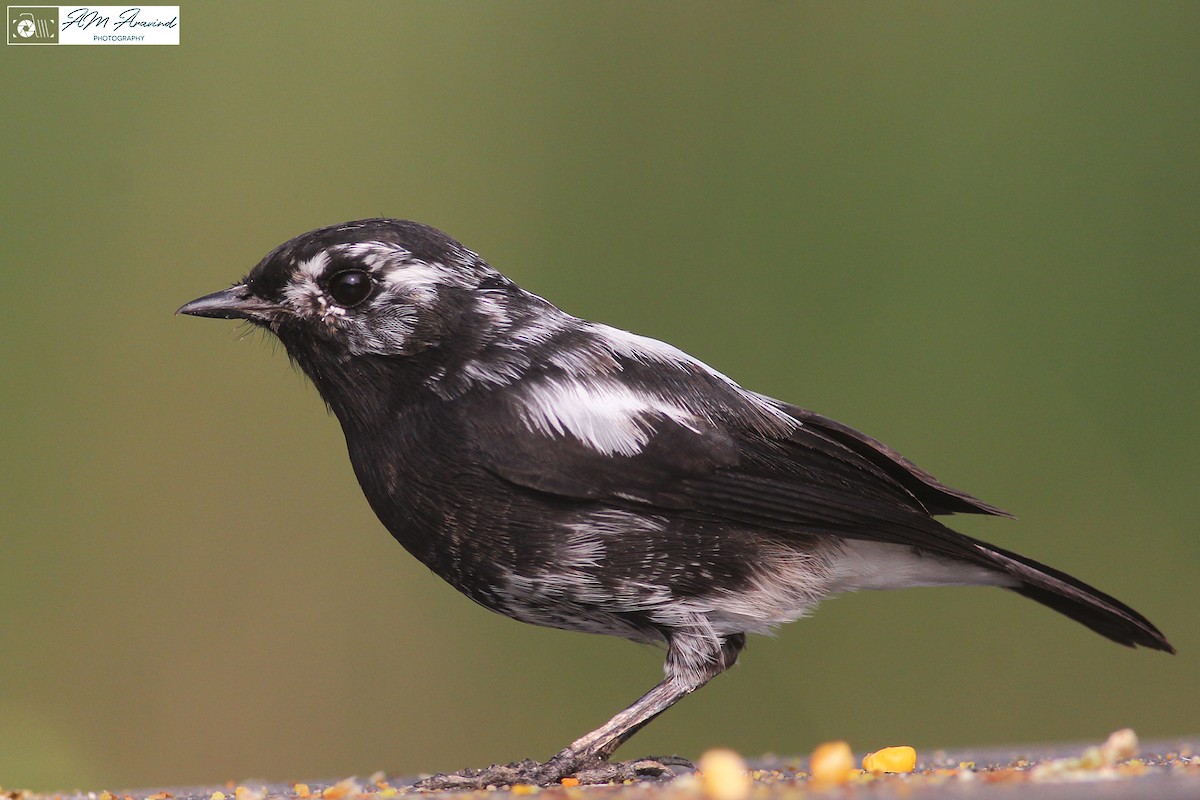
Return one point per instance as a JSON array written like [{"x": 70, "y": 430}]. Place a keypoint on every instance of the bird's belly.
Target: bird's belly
[
  {"x": 601, "y": 569},
  {"x": 641, "y": 576}
]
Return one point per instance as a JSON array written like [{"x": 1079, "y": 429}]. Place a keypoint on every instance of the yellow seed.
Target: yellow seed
[
  {"x": 341, "y": 789},
  {"x": 302, "y": 790},
  {"x": 524, "y": 788},
  {"x": 723, "y": 775},
  {"x": 891, "y": 759},
  {"x": 831, "y": 763},
  {"x": 1121, "y": 745}
]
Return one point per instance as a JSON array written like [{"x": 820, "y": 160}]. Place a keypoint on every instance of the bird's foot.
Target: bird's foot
[
  {"x": 588, "y": 770},
  {"x": 660, "y": 769},
  {"x": 478, "y": 779}
]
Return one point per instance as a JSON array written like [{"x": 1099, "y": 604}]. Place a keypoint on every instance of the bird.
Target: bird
[{"x": 570, "y": 474}]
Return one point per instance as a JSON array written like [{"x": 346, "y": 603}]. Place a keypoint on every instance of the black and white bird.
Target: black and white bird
[{"x": 565, "y": 473}]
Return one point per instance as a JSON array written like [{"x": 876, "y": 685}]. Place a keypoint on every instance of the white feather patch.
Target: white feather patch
[
  {"x": 795, "y": 583},
  {"x": 373, "y": 255},
  {"x": 652, "y": 351},
  {"x": 304, "y": 294},
  {"x": 645, "y": 349},
  {"x": 603, "y": 414},
  {"x": 879, "y": 565},
  {"x": 312, "y": 268}
]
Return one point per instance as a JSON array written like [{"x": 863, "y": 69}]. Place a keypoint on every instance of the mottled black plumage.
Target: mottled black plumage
[{"x": 569, "y": 474}]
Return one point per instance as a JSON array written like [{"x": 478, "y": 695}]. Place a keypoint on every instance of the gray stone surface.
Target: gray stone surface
[{"x": 1165, "y": 770}]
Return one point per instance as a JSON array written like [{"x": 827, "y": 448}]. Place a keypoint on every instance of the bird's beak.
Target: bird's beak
[{"x": 236, "y": 302}]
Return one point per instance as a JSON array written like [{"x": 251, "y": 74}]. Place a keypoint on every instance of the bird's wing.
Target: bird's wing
[
  {"x": 598, "y": 438},
  {"x": 677, "y": 436},
  {"x": 673, "y": 437},
  {"x": 934, "y": 496}
]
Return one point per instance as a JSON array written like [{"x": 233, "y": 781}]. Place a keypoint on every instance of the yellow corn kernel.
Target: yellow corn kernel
[
  {"x": 891, "y": 759},
  {"x": 831, "y": 763},
  {"x": 723, "y": 775},
  {"x": 341, "y": 790},
  {"x": 1121, "y": 745}
]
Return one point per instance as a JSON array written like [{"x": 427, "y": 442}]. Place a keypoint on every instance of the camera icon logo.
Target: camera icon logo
[{"x": 33, "y": 24}]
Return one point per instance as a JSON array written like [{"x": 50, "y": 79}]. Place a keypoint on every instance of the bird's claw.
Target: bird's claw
[
  {"x": 588, "y": 770},
  {"x": 642, "y": 769}
]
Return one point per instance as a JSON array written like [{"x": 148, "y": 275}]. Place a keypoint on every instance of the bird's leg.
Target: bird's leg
[
  {"x": 591, "y": 751},
  {"x": 586, "y": 758},
  {"x": 693, "y": 659}
]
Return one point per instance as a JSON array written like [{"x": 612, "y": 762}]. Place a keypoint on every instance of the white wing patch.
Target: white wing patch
[
  {"x": 645, "y": 349},
  {"x": 602, "y": 413},
  {"x": 770, "y": 418}
]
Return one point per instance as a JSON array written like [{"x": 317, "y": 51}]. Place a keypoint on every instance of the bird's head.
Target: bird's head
[
  {"x": 374, "y": 287},
  {"x": 348, "y": 298}
]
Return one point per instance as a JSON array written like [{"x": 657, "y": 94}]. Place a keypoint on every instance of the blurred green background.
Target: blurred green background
[{"x": 969, "y": 229}]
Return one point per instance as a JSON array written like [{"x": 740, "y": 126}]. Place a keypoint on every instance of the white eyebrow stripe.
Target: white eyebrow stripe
[
  {"x": 310, "y": 269},
  {"x": 305, "y": 289},
  {"x": 374, "y": 254},
  {"x": 418, "y": 275},
  {"x": 604, "y": 415},
  {"x": 394, "y": 265}
]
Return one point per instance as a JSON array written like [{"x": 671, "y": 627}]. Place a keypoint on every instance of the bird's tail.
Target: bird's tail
[
  {"x": 946, "y": 557},
  {"x": 1089, "y": 606}
]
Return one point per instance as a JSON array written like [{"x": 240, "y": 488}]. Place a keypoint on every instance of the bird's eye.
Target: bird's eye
[{"x": 350, "y": 288}]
